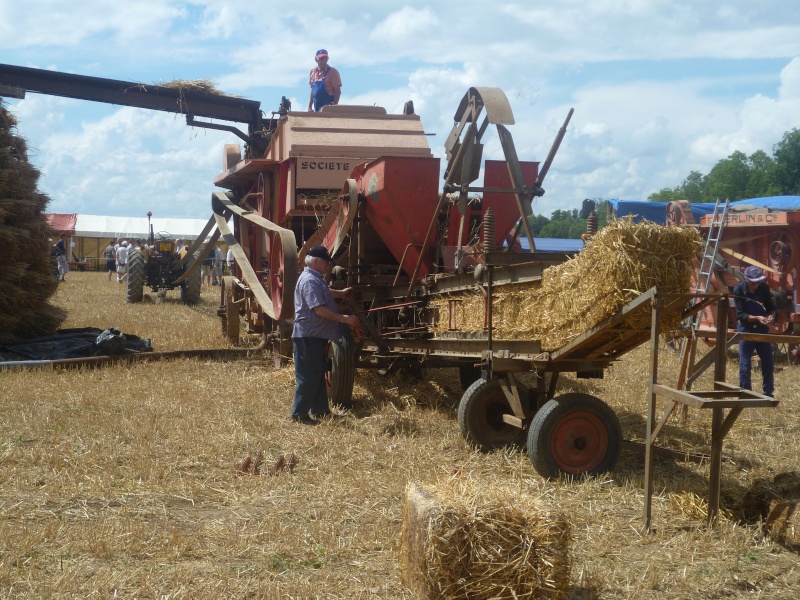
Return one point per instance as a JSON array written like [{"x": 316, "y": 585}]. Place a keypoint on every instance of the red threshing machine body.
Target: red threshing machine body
[{"x": 764, "y": 236}]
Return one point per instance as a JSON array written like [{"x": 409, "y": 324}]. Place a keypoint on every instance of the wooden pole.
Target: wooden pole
[
  {"x": 649, "y": 457},
  {"x": 718, "y": 415}
]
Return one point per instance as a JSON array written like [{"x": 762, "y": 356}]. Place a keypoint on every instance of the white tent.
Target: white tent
[
  {"x": 97, "y": 226},
  {"x": 89, "y": 234}
]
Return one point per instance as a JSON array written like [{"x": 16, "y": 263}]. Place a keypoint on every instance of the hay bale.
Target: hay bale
[
  {"x": 458, "y": 542},
  {"x": 26, "y": 277},
  {"x": 783, "y": 524},
  {"x": 622, "y": 261}
]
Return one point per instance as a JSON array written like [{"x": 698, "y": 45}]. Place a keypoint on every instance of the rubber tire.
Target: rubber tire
[
  {"x": 134, "y": 288},
  {"x": 478, "y": 417},
  {"x": 565, "y": 416},
  {"x": 190, "y": 289},
  {"x": 343, "y": 370}
]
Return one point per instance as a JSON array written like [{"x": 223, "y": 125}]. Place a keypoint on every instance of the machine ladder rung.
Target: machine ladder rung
[{"x": 716, "y": 226}]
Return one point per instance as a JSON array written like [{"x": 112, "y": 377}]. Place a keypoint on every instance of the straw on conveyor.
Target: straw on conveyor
[
  {"x": 206, "y": 86},
  {"x": 623, "y": 260}
]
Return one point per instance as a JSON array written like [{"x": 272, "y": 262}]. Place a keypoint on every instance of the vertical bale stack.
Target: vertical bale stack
[
  {"x": 26, "y": 274},
  {"x": 462, "y": 541}
]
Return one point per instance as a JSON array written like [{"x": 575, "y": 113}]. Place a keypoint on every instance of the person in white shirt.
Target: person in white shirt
[
  {"x": 122, "y": 262},
  {"x": 231, "y": 261}
]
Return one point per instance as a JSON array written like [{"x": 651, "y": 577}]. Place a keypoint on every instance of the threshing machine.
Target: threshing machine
[{"x": 365, "y": 184}]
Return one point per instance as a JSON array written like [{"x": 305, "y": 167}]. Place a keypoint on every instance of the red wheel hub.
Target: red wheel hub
[{"x": 579, "y": 443}]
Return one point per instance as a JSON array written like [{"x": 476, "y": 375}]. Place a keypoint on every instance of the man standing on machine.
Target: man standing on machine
[{"x": 325, "y": 82}]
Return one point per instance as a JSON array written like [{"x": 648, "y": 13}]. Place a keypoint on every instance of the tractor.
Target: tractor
[{"x": 161, "y": 268}]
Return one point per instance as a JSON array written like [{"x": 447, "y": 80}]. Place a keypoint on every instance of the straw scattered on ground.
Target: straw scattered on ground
[{"x": 126, "y": 481}]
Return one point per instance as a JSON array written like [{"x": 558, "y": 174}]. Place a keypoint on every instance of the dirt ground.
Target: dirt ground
[{"x": 123, "y": 481}]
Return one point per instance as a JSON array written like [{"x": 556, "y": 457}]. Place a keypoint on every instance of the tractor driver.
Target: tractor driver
[
  {"x": 325, "y": 83},
  {"x": 755, "y": 310},
  {"x": 316, "y": 321}
]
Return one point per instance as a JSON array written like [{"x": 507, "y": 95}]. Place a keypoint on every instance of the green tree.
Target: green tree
[
  {"x": 762, "y": 176},
  {"x": 693, "y": 187},
  {"x": 787, "y": 163},
  {"x": 729, "y": 178},
  {"x": 536, "y": 223},
  {"x": 667, "y": 195}
]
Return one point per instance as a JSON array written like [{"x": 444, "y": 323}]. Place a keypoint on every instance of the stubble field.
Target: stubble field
[{"x": 122, "y": 481}]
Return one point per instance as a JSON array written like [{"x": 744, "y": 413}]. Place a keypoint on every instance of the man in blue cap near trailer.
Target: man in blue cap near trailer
[
  {"x": 325, "y": 82},
  {"x": 755, "y": 310},
  {"x": 316, "y": 321}
]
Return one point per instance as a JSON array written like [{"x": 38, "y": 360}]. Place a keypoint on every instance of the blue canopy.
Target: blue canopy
[
  {"x": 657, "y": 211},
  {"x": 552, "y": 244}
]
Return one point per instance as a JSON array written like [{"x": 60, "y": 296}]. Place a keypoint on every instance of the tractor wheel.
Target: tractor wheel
[
  {"x": 343, "y": 370},
  {"x": 480, "y": 417},
  {"x": 574, "y": 434},
  {"x": 190, "y": 289},
  {"x": 134, "y": 290}
]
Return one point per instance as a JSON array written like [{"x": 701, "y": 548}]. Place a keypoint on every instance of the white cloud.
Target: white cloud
[
  {"x": 406, "y": 27},
  {"x": 647, "y": 109}
]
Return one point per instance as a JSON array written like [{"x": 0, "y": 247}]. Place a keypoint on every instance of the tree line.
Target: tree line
[{"x": 739, "y": 176}]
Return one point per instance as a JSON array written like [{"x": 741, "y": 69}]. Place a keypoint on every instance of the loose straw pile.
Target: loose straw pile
[
  {"x": 460, "y": 540},
  {"x": 623, "y": 260}
]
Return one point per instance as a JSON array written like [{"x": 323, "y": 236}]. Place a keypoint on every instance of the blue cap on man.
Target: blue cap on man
[
  {"x": 754, "y": 275},
  {"x": 320, "y": 252},
  {"x": 322, "y": 52}
]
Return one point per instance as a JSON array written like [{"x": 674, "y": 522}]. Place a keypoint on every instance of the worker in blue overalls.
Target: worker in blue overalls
[
  {"x": 325, "y": 83},
  {"x": 755, "y": 311}
]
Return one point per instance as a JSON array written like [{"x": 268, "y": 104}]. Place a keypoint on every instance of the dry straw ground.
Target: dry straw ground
[{"x": 122, "y": 481}]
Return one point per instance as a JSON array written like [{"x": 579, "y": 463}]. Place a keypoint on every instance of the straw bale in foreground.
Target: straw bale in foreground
[
  {"x": 458, "y": 542},
  {"x": 783, "y": 524},
  {"x": 622, "y": 261}
]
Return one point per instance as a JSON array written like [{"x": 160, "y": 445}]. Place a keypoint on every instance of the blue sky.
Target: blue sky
[{"x": 660, "y": 88}]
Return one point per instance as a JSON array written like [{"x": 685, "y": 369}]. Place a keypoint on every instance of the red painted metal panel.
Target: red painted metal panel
[
  {"x": 504, "y": 205},
  {"x": 401, "y": 197}
]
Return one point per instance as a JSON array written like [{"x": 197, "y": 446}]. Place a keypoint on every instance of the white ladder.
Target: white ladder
[{"x": 712, "y": 245}]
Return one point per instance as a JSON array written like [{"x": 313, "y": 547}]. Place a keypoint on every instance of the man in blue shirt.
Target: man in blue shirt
[
  {"x": 755, "y": 310},
  {"x": 316, "y": 321}
]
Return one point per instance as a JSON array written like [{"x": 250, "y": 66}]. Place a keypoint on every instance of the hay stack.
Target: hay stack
[
  {"x": 459, "y": 542},
  {"x": 26, "y": 276},
  {"x": 623, "y": 260}
]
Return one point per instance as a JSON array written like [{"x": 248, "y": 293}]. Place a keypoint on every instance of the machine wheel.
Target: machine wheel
[
  {"x": 343, "y": 370},
  {"x": 480, "y": 417},
  {"x": 190, "y": 289},
  {"x": 134, "y": 290},
  {"x": 574, "y": 434},
  {"x": 282, "y": 274}
]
